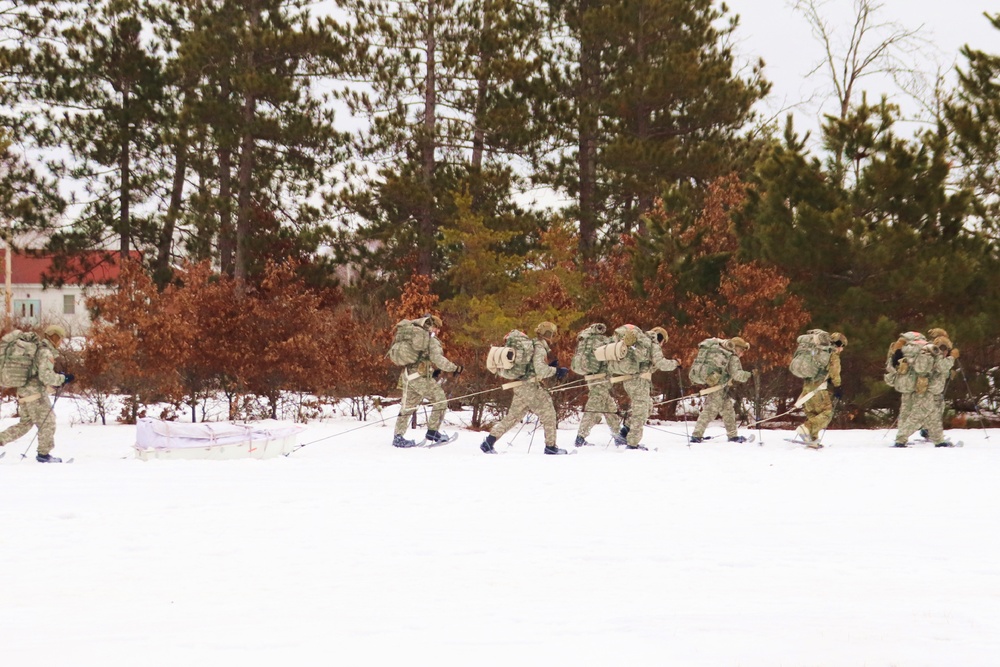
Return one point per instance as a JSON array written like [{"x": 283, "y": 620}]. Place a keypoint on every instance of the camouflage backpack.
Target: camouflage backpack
[
  {"x": 18, "y": 350},
  {"x": 585, "y": 362},
  {"x": 409, "y": 344},
  {"x": 710, "y": 364},
  {"x": 811, "y": 360},
  {"x": 513, "y": 360},
  {"x": 638, "y": 348},
  {"x": 917, "y": 365}
]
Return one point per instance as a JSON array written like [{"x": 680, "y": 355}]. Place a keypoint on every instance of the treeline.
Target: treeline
[{"x": 398, "y": 144}]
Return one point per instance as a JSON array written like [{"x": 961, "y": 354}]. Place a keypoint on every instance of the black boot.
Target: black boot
[
  {"x": 634, "y": 447},
  {"x": 944, "y": 444},
  {"x": 697, "y": 438},
  {"x": 47, "y": 458},
  {"x": 487, "y": 445},
  {"x": 555, "y": 450},
  {"x": 582, "y": 442}
]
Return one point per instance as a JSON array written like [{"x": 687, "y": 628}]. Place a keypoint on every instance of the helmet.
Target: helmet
[
  {"x": 739, "y": 344},
  {"x": 943, "y": 343},
  {"x": 546, "y": 330},
  {"x": 431, "y": 321},
  {"x": 837, "y": 337},
  {"x": 660, "y": 333},
  {"x": 937, "y": 333},
  {"x": 55, "y": 331}
]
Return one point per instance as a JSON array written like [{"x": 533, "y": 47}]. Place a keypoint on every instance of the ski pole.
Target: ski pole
[
  {"x": 538, "y": 422},
  {"x": 757, "y": 406},
  {"x": 680, "y": 384}
]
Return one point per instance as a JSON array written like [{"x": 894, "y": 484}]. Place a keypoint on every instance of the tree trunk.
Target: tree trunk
[
  {"x": 124, "y": 166},
  {"x": 247, "y": 145},
  {"x": 587, "y": 146},
  {"x": 163, "y": 251},
  {"x": 427, "y": 163}
]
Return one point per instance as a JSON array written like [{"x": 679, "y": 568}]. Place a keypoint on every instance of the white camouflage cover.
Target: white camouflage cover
[{"x": 156, "y": 439}]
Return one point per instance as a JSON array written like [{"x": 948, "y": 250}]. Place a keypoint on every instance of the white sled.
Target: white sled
[{"x": 155, "y": 439}]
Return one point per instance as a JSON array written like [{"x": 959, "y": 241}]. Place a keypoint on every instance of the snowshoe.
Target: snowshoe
[
  {"x": 944, "y": 444},
  {"x": 637, "y": 447},
  {"x": 439, "y": 437},
  {"x": 487, "y": 445},
  {"x": 555, "y": 450},
  {"x": 901, "y": 445},
  {"x": 582, "y": 442},
  {"x": 400, "y": 441},
  {"x": 738, "y": 438},
  {"x": 697, "y": 438},
  {"x": 47, "y": 458}
]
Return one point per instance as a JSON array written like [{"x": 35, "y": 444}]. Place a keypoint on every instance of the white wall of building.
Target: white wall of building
[{"x": 66, "y": 305}]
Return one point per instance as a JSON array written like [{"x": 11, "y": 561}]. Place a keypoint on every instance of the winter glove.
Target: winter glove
[
  {"x": 838, "y": 393},
  {"x": 896, "y": 357},
  {"x": 561, "y": 372},
  {"x": 458, "y": 371},
  {"x": 954, "y": 353},
  {"x": 68, "y": 377},
  {"x": 436, "y": 374}
]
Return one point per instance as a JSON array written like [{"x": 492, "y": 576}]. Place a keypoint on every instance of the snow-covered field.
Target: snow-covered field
[{"x": 352, "y": 552}]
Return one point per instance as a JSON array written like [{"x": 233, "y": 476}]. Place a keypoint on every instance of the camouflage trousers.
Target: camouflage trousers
[
  {"x": 599, "y": 404},
  {"x": 939, "y": 406},
  {"x": 717, "y": 403},
  {"x": 36, "y": 413},
  {"x": 529, "y": 397},
  {"x": 416, "y": 391},
  {"x": 818, "y": 409},
  {"x": 638, "y": 393},
  {"x": 918, "y": 411}
]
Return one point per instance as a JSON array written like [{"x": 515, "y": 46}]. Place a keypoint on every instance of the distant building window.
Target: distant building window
[
  {"x": 28, "y": 310},
  {"x": 69, "y": 304}
]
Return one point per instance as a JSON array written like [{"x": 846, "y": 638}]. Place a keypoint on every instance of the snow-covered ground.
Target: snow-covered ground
[{"x": 352, "y": 552}]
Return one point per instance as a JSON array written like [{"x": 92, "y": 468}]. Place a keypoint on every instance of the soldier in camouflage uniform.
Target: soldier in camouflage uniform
[
  {"x": 923, "y": 408},
  {"x": 819, "y": 408},
  {"x": 530, "y": 396},
  {"x": 600, "y": 403},
  {"x": 943, "y": 374},
  {"x": 419, "y": 381},
  {"x": 33, "y": 402},
  {"x": 638, "y": 387},
  {"x": 719, "y": 402}
]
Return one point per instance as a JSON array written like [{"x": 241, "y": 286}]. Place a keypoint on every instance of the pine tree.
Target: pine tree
[
  {"x": 875, "y": 242},
  {"x": 101, "y": 95},
  {"x": 262, "y": 135},
  {"x": 656, "y": 107},
  {"x": 973, "y": 117},
  {"x": 446, "y": 97}
]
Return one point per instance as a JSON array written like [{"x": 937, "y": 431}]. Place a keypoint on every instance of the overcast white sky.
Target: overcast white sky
[{"x": 773, "y": 30}]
